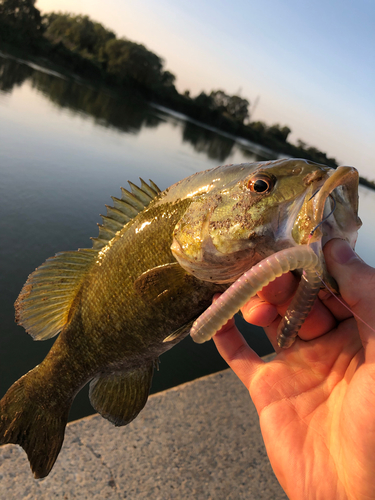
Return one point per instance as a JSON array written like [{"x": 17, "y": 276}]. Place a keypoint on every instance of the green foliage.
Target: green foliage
[
  {"x": 124, "y": 61},
  {"x": 168, "y": 79},
  {"x": 78, "y": 33},
  {"x": 280, "y": 133},
  {"x": 132, "y": 61},
  {"x": 205, "y": 101},
  {"x": 20, "y": 21},
  {"x": 259, "y": 127},
  {"x": 233, "y": 106}
]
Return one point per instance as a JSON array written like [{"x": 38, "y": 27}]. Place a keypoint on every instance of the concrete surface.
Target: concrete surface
[{"x": 197, "y": 441}]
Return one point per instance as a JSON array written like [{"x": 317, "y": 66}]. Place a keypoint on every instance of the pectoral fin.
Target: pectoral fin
[
  {"x": 120, "y": 396},
  {"x": 179, "y": 333},
  {"x": 159, "y": 281}
]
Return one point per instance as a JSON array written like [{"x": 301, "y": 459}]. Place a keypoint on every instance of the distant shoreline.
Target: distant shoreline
[
  {"x": 256, "y": 148},
  {"x": 78, "y": 47},
  {"x": 48, "y": 66}
]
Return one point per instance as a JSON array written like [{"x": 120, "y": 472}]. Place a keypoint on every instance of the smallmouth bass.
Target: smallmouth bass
[{"x": 158, "y": 260}]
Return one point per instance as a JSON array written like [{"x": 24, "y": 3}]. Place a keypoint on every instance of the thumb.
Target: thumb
[{"x": 356, "y": 282}]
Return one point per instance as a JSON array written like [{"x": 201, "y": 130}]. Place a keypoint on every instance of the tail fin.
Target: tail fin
[{"x": 38, "y": 428}]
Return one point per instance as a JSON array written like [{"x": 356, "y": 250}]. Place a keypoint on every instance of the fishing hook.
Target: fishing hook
[
  {"x": 325, "y": 218},
  {"x": 314, "y": 193}
]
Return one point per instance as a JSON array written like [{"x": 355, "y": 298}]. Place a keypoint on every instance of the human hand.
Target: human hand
[{"x": 316, "y": 400}]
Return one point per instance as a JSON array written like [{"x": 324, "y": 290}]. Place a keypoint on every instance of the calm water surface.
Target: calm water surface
[{"x": 65, "y": 148}]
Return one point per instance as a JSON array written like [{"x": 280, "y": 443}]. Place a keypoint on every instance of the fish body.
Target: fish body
[{"x": 158, "y": 260}]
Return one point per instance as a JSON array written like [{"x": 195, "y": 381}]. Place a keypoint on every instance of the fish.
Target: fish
[{"x": 152, "y": 271}]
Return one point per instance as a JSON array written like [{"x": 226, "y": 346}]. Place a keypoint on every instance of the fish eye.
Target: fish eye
[{"x": 260, "y": 184}]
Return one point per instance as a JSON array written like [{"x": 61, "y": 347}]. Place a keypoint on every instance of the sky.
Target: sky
[{"x": 310, "y": 64}]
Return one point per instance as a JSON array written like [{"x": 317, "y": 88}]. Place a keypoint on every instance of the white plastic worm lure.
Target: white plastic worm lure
[{"x": 250, "y": 283}]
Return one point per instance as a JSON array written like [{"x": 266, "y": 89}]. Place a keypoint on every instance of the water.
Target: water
[{"x": 65, "y": 148}]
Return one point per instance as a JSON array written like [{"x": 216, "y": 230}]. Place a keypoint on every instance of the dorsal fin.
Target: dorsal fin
[
  {"x": 152, "y": 189},
  {"x": 124, "y": 209},
  {"x": 46, "y": 298}
]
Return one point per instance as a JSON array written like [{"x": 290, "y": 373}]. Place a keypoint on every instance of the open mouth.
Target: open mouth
[{"x": 335, "y": 207}]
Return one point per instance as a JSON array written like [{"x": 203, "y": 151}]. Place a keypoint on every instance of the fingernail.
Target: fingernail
[{"x": 342, "y": 252}]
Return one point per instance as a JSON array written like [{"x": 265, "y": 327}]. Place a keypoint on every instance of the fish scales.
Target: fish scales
[
  {"x": 108, "y": 299},
  {"x": 158, "y": 261}
]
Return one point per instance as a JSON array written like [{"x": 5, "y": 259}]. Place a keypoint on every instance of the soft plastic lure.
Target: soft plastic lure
[{"x": 250, "y": 283}]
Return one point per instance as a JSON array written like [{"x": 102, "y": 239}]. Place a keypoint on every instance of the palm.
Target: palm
[
  {"x": 316, "y": 400},
  {"x": 310, "y": 410}
]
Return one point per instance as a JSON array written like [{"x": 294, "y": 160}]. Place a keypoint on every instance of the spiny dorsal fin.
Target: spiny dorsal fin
[
  {"x": 43, "y": 305},
  {"x": 152, "y": 189},
  {"x": 46, "y": 298},
  {"x": 124, "y": 209}
]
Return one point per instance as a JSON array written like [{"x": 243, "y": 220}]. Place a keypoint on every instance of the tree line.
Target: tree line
[{"x": 93, "y": 51}]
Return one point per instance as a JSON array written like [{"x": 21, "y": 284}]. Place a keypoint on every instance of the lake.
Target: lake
[{"x": 65, "y": 149}]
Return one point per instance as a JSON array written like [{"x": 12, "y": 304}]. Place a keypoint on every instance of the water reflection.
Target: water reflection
[
  {"x": 207, "y": 141},
  {"x": 122, "y": 111},
  {"x": 12, "y": 74}
]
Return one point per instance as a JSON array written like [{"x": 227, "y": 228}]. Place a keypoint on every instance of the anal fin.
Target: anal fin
[{"x": 120, "y": 396}]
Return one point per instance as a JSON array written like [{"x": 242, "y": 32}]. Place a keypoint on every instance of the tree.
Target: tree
[
  {"x": 78, "y": 33},
  {"x": 126, "y": 60},
  {"x": 20, "y": 20},
  {"x": 278, "y": 132},
  {"x": 238, "y": 108},
  {"x": 129, "y": 60},
  {"x": 205, "y": 101},
  {"x": 234, "y": 107},
  {"x": 259, "y": 127},
  {"x": 167, "y": 79}
]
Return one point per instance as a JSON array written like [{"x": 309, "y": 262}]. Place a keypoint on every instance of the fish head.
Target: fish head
[{"x": 247, "y": 212}]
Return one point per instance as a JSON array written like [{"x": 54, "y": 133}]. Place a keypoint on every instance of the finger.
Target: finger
[
  {"x": 280, "y": 290},
  {"x": 271, "y": 332},
  {"x": 262, "y": 309},
  {"x": 356, "y": 282},
  {"x": 319, "y": 321},
  {"x": 261, "y": 313},
  {"x": 235, "y": 351},
  {"x": 258, "y": 312},
  {"x": 336, "y": 305}
]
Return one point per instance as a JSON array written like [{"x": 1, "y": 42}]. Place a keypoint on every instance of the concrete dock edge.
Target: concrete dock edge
[{"x": 200, "y": 440}]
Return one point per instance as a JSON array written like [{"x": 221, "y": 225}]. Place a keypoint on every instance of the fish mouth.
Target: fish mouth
[
  {"x": 334, "y": 214},
  {"x": 335, "y": 207}
]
